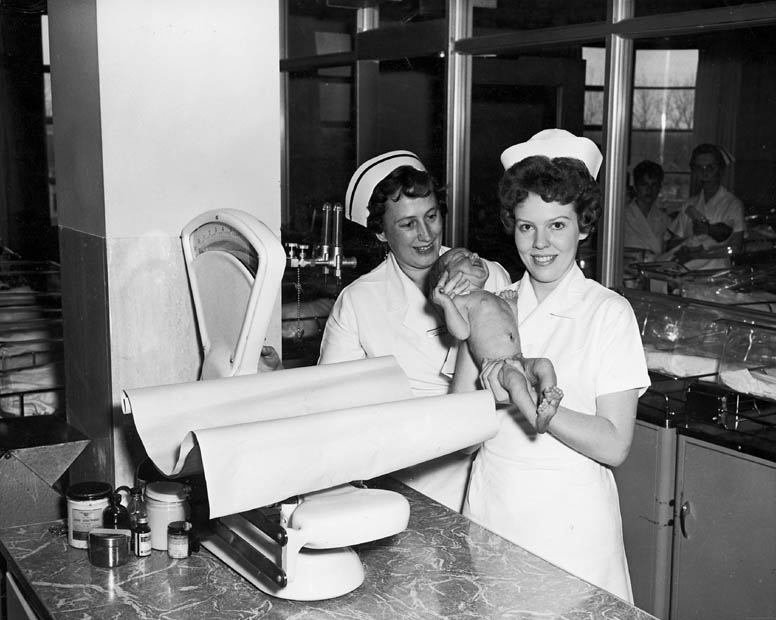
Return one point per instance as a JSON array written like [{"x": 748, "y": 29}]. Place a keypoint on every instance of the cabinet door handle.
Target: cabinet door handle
[{"x": 684, "y": 512}]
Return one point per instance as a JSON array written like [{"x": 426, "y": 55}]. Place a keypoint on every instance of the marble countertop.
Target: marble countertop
[{"x": 442, "y": 567}]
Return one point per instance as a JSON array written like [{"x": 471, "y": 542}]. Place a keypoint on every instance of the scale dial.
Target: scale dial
[{"x": 218, "y": 236}]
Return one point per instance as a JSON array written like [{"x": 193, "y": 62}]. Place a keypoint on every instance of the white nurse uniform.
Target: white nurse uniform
[{"x": 536, "y": 491}]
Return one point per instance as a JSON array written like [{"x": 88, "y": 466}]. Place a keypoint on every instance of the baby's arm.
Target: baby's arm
[{"x": 453, "y": 306}]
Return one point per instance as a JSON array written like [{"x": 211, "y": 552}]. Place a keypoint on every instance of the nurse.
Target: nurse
[
  {"x": 711, "y": 224},
  {"x": 386, "y": 311},
  {"x": 645, "y": 219},
  {"x": 554, "y": 493}
]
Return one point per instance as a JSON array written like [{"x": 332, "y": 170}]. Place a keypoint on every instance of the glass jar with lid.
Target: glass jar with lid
[{"x": 165, "y": 502}]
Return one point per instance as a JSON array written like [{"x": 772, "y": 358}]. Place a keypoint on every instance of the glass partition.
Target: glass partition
[
  {"x": 493, "y": 17},
  {"x": 716, "y": 89},
  {"x": 514, "y": 97},
  {"x": 405, "y": 11},
  {"x": 317, "y": 28},
  {"x": 654, "y": 7},
  {"x": 321, "y": 144}
]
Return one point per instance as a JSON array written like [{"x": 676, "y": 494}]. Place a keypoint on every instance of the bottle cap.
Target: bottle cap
[
  {"x": 166, "y": 491},
  {"x": 89, "y": 491}
]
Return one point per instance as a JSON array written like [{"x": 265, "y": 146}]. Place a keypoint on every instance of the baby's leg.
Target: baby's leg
[
  {"x": 513, "y": 380},
  {"x": 541, "y": 371}
]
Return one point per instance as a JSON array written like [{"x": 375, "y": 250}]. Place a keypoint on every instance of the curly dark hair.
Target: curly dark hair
[
  {"x": 649, "y": 169},
  {"x": 563, "y": 179},
  {"x": 708, "y": 149},
  {"x": 403, "y": 181}
]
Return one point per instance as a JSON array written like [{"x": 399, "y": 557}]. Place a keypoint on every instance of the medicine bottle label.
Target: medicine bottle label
[
  {"x": 178, "y": 543},
  {"x": 84, "y": 521},
  {"x": 142, "y": 543}
]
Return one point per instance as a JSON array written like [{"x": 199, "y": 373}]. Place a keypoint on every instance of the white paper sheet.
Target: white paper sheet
[
  {"x": 746, "y": 381},
  {"x": 680, "y": 365},
  {"x": 165, "y": 414},
  {"x": 263, "y": 438}
]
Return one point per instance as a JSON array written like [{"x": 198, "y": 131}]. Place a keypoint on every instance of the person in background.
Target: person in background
[
  {"x": 386, "y": 311},
  {"x": 646, "y": 220},
  {"x": 554, "y": 493},
  {"x": 711, "y": 225}
]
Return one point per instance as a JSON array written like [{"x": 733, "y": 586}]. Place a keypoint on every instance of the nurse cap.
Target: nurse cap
[
  {"x": 368, "y": 175},
  {"x": 554, "y": 143}
]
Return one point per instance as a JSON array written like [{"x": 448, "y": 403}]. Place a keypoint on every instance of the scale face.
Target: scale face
[
  {"x": 235, "y": 265},
  {"x": 220, "y": 236}
]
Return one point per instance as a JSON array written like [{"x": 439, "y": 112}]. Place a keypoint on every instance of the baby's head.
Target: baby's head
[{"x": 459, "y": 260}]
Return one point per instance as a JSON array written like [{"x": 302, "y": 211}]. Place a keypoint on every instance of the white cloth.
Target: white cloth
[
  {"x": 536, "y": 491},
  {"x": 384, "y": 313},
  {"x": 723, "y": 207},
  {"x": 645, "y": 233}
]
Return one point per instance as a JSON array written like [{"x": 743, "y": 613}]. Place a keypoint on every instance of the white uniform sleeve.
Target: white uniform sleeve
[
  {"x": 498, "y": 277},
  {"x": 736, "y": 219},
  {"x": 341, "y": 341},
  {"x": 621, "y": 361}
]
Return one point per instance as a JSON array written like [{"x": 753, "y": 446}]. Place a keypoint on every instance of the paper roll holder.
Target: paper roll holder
[{"x": 301, "y": 548}]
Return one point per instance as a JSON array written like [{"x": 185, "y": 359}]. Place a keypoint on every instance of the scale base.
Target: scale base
[{"x": 320, "y": 574}]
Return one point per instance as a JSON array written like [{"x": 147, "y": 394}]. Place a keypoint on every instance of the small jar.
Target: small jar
[
  {"x": 86, "y": 502},
  {"x": 179, "y": 539},
  {"x": 165, "y": 502}
]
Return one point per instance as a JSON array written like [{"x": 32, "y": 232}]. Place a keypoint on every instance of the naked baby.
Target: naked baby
[{"x": 488, "y": 322}]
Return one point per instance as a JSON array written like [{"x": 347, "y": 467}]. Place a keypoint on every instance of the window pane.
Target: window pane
[
  {"x": 408, "y": 113},
  {"x": 315, "y": 28},
  {"x": 594, "y": 107},
  {"x": 490, "y": 16},
  {"x": 716, "y": 89},
  {"x": 405, "y": 11},
  {"x": 325, "y": 139},
  {"x": 47, "y": 94},
  {"x": 595, "y": 69},
  {"x": 512, "y": 99},
  {"x": 321, "y": 143},
  {"x": 44, "y": 36},
  {"x": 411, "y": 110},
  {"x": 653, "y": 7}
]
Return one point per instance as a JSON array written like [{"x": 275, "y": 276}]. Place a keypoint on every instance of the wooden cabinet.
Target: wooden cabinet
[{"x": 724, "y": 558}]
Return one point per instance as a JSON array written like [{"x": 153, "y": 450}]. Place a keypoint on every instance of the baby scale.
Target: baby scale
[{"x": 299, "y": 549}]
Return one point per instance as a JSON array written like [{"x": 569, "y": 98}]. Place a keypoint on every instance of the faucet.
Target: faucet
[{"x": 329, "y": 257}]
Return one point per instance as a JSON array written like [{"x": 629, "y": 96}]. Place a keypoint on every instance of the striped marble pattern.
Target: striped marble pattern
[{"x": 442, "y": 567}]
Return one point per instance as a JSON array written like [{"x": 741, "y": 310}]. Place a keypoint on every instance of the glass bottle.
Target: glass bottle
[
  {"x": 136, "y": 506},
  {"x": 141, "y": 537},
  {"x": 115, "y": 516}
]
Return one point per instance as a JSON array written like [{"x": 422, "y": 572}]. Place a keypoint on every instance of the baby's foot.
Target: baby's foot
[{"x": 547, "y": 408}]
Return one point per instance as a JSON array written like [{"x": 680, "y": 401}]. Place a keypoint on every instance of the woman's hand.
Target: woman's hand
[
  {"x": 269, "y": 359},
  {"x": 507, "y": 380},
  {"x": 489, "y": 379}
]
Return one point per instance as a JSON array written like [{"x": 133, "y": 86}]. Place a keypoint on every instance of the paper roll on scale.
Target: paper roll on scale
[{"x": 262, "y": 438}]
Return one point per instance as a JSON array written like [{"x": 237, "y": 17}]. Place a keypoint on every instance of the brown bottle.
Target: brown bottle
[{"x": 115, "y": 516}]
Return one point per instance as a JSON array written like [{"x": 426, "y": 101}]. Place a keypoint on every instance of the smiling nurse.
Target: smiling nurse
[
  {"x": 386, "y": 312},
  {"x": 554, "y": 493}
]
